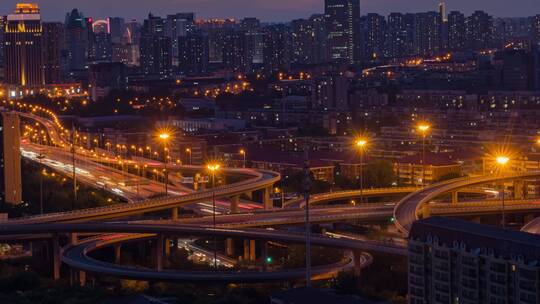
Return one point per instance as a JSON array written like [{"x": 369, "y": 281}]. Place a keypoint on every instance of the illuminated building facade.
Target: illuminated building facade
[
  {"x": 343, "y": 30},
  {"x": 23, "y": 47},
  {"x": 53, "y": 44}
]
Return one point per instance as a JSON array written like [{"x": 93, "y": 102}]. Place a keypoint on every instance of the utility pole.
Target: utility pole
[
  {"x": 306, "y": 187},
  {"x": 73, "y": 167}
]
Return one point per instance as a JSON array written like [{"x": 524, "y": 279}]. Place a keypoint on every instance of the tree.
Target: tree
[{"x": 379, "y": 174}]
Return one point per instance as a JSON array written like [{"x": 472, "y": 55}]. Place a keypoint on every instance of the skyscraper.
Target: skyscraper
[
  {"x": 276, "y": 48},
  {"x": 178, "y": 25},
  {"x": 427, "y": 33},
  {"x": 396, "y": 37},
  {"x": 535, "y": 29},
  {"x": 374, "y": 36},
  {"x": 76, "y": 35},
  {"x": 53, "y": 44},
  {"x": 23, "y": 52},
  {"x": 254, "y": 39},
  {"x": 10, "y": 159},
  {"x": 343, "y": 30},
  {"x": 155, "y": 49},
  {"x": 117, "y": 28},
  {"x": 193, "y": 53},
  {"x": 456, "y": 31},
  {"x": 479, "y": 29}
]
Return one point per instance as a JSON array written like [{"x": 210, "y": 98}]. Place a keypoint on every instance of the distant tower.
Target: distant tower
[
  {"x": 23, "y": 51},
  {"x": 442, "y": 12}
]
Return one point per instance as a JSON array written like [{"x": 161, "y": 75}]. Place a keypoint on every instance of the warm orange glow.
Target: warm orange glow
[
  {"x": 361, "y": 143},
  {"x": 423, "y": 127},
  {"x": 502, "y": 160},
  {"x": 213, "y": 167}
]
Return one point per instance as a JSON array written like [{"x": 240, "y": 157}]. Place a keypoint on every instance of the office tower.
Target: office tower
[
  {"x": 117, "y": 29},
  {"x": 193, "y": 53},
  {"x": 277, "y": 45},
  {"x": 106, "y": 76},
  {"x": 76, "y": 35},
  {"x": 427, "y": 33},
  {"x": 2, "y": 29},
  {"x": 254, "y": 39},
  {"x": 10, "y": 159},
  {"x": 53, "y": 44},
  {"x": 443, "y": 20},
  {"x": 234, "y": 51},
  {"x": 479, "y": 31},
  {"x": 343, "y": 30},
  {"x": 456, "y": 31},
  {"x": 155, "y": 49},
  {"x": 456, "y": 261},
  {"x": 178, "y": 25},
  {"x": 216, "y": 30},
  {"x": 156, "y": 57},
  {"x": 102, "y": 47},
  {"x": 303, "y": 42},
  {"x": 374, "y": 36},
  {"x": 318, "y": 24},
  {"x": 23, "y": 50},
  {"x": 396, "y": 36},
  {"x": 535, "y": 29}
]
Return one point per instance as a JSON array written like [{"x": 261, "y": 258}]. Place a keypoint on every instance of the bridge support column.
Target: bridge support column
[
  {"x": 249, "y": 195},
  {"x": 82, "y": 278},
  {"x": 357, "y": 259},
  {"x": 56, "y": 257},
  {"x": 235, "y": 200},
  {"x": 229, "y": 247},
  {"x": 519, "y": 189},
  {"x": 167, "y": 245},
  {"x": 73, "y": 238},
  {"x": 117, "y": 253},
  {"x": 455, "y": 197},
  {"x": 246, "y": 250},
  {"x": 174, "y": 214},
  {"x": 252, "y": 248},
  {"x": 159, "y": 252},
  {"x": 267, "y": 201}
]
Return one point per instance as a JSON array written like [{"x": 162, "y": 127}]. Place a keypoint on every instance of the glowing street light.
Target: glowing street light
[
  {"x": 424, "y": 129},
  {"x": 188, "y": 150},
  {"x": 361, "y": 144},
  {"x": 243, "y": 153},
  {"x": 213, "y": 168},
  {"x": 502, "y": 161},
  {"x": 164, "y": 137}
]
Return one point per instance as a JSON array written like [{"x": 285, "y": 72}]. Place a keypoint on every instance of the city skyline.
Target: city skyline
[{"x": 275, "y": 11}]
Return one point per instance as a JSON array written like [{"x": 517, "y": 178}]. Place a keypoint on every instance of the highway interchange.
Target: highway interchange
[{"x": 409, "y": 209}]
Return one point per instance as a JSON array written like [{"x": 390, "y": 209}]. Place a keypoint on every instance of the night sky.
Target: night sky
[{"x": 266, "y": 10}]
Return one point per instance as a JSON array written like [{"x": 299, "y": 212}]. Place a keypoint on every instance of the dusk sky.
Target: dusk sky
[{"x": 266, "y": 10}]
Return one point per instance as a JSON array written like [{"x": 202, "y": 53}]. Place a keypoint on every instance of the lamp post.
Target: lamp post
[
  {"x": 213, "y": 168},
  {"x": 165, "y": 138},
  {"x": 188, "y": 150},
  {"x": 423, "y": 128},
  {"x": 361, "y": 145},
  {"x": 502, "y": 161},
  {"x": 243, "y": 153}
]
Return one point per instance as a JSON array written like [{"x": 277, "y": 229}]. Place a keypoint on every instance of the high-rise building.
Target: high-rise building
[
  {"x": 117, "y": 29},
  {"x": 178, "y": 25},
  {"x": 427, "y": 33},
  {"x": 303, "y": 42},
  {"x": 456, "y": 31},
  {"x": 10, "y": 159},
  {"x": 156, "y": 57},
  {"x": 76, "y": 35},
  {"x": 277, "y": 45},
  {"x": 396, "y": 36},
  {"x": 254, "y": 39},
  {"x": 53, "y": 44},
  {"x": 23, "y": 46},
  {"x": 193, "y": 53},
  {"x": 343, "y": 30},
  {"x": 234, "y": 51},
  {"x": 374, "y": 36},
  {"x": 455, "y": 261},
  {"x": 535, "y": 29},
  {"x": 332, "y": 92},
  {"x": 479, "y": 30},
  {"x": 105, "y": 77},
  {"x": 2, "y": 29}
]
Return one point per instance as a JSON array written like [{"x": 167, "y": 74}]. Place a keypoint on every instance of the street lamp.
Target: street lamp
[
  {"x": 164, "y": 137},
  {"x": 423, "y": 128},
  {"x": 361, "y": 145},
  {"x": 502, "y": 161},
  {"x": 243, "y": 153},
  {"x": 213, "y": 168},
  {"x": 188, "y": 150}
]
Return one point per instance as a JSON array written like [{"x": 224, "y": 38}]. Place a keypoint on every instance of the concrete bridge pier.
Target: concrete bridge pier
[
  {"x": 174, "y": 214},
  {"x": 267, "y": 200},
  {"x": 357, "y": 259},
  {"x": 249, "y": 195},
  {"x": 158, "y": 252},
  {"x": 117, "y": 253},
  {"x": 455, "y": 197},
  {"x": 249, "y": 250},
  {"x": 56, "y": 262},
  {"x": 229, "y": 247},
  {"x": 235, "y": 200},
  {"x": 519, "y": 186}
]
